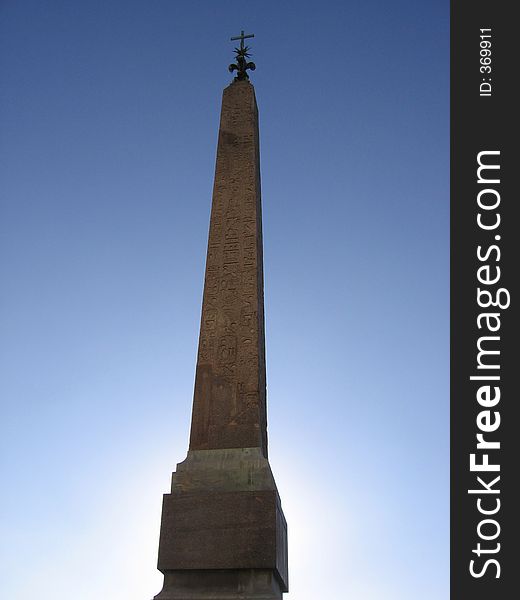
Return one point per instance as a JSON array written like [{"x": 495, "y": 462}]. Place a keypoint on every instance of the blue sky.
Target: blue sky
[{"x": 108, "y": 125}]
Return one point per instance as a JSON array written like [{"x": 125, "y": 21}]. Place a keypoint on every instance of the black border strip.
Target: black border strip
[{"x": 484, "y": 124}]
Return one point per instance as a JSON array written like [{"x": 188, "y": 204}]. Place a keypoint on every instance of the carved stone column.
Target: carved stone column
[{"x": 223, "y": 532}]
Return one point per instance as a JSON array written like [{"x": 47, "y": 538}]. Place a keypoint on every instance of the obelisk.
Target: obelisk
[{"x": 223, "y": 533}]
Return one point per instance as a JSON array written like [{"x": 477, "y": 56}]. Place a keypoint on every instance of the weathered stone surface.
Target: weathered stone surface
[
  {"x": 223, "y": 532},
  {"x": 224, "y": 512},
  {"x": 247, "y": 584},
  {"x": 229, "y": 406},
  {"x": 219, "y": 530},
  {"x": 230, "y": 469}
]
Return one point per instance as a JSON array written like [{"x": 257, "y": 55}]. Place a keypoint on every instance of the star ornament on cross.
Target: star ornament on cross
[{"x": 242, "y": 54}]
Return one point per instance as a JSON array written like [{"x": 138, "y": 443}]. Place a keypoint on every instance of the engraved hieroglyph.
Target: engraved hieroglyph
[{"x": 229, "y": 408}]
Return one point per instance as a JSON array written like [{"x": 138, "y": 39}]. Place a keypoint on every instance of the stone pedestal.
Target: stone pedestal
[
  {"x": 248, "y": 584},
  {"x": 223, "y": 532}
]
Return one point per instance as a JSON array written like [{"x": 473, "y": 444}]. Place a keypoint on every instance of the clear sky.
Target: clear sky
[{"x": 108, "y": 125}]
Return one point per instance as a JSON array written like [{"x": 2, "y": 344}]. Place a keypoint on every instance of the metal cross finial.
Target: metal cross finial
[
  {"x": 242, "y": 54},
  {"x": 242, "y": 37}
]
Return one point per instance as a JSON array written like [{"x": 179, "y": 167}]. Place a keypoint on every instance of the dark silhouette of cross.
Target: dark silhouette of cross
[{"x": 242, "y": 37}]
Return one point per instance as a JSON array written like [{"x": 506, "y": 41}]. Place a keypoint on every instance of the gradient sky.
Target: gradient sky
[{"x": 108, "y": 125}]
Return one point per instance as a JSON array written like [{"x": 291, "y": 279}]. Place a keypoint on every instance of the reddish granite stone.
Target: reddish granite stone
[
  {"x": 223, "y": 532},
  {"x": 229, "y": 407}
]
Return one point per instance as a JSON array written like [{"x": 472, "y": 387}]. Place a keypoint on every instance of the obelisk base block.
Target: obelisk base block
[
  {"x": 223, "y": 532},
  {"x": 240, "y": 584}
]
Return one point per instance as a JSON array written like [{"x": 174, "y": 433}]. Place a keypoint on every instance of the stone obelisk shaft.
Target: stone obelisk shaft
[
  {"x": 223, "y": 531},
  {"x": 229, "y": 408}
]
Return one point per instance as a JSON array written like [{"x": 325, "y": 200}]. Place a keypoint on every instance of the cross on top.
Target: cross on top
[
  {"x": 242, "y": 37},
  {"x": 242, "y": 54}
]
